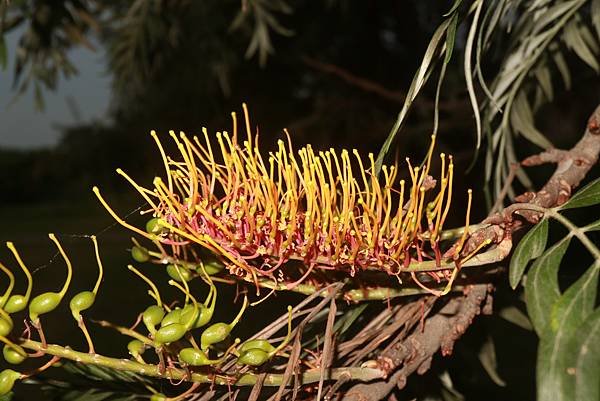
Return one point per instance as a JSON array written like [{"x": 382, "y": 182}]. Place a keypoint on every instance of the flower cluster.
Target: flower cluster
[{"x": 328, "y": 210}]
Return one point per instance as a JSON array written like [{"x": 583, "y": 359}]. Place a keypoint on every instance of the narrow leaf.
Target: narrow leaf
[
  {"x": 521, "y": 118},
  {"x": 514, "y": 315},
  {"x": 586, "y": 196},
  {"x": 487, "y": 357},
  {"x": 531, "y": 246},
  {"x": 450, "y": 38},
  {"x": 573, "y": 39},
  {"x": 541, "y": 287},
  {"x": 3, "y": 53},
  {"x": 595, "y": 13},
  {"x": 469, "y": 71}
]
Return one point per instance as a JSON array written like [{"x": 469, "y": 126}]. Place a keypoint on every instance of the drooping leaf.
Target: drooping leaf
[
  {"x": 487, "y": 357},
  {"x": 521, "y": 118},
  {"x": 514, "y": 315},
  {"x": 468, "y": 69},
  {"x": 573, "y": 38},
  {"x": 554, "y": 376},
  {"x": 583, "y": 360},
  {"x": 3, "y": 54},
  {"x": 450, "y": 38},
  {"x": 541, "y": 287},
  {"x": 586, "y": 196},
  {"x": 595, "y": 13},
  {"x": 531, "y": 246}
]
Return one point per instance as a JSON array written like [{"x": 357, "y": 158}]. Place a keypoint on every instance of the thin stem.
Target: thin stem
[
  {"x": 86, "y": 334},
  {"x": 246, "y": 379},
  {"x": 100, "y": 268},
  {"x": 12, "y": 248},
  {"x": 149, "y": 282},
  {"x": 63, "y": 291},
  {"x": 11, "y": 284},
  {"x": 125, "y": 331}
]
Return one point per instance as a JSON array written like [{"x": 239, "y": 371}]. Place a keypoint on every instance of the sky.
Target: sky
[{"x": 22, "y": 127}]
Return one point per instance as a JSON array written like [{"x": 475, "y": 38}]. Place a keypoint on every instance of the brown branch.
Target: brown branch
[{"x": 354, "y": 80}]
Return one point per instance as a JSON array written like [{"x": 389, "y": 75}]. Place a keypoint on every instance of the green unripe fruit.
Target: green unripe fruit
[
  {"x": 185, "y": 273},
  {"x": 140, "y": 254},
  {"x": 158, "y": 397},
  {"x": 43, "y": 303},
  {"x": 136, "y": 347},
  {"x": 13, "y": 356},
  {"x": 153, "y": 226},
  {"x": 80, "y": 302},
  {"x": 194, "y": 357},
  {"x": 8, "y": 377},
  {"x": 170, "y": 333},
  {"x": 256, "y": 344},
  {"x": 214, "y": 334},
  {"x": 172, "y": 317},
  {"x": 15, "y": 303},
  {"x": 253, "y": 357},
  {"x": 152, "y": 316},
  {"x": 213, "y": 268},
  {"x": 6, "y": 327}
]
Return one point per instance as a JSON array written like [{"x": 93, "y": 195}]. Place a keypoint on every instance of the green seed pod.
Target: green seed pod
[
  {"x": 6, "y": 326},
  {"x": 158, "y": 397},
  {"x": 213, "y": 267},
  {"x": 8, "y": 377},
  {"x": 253, "y": 357},
  {"x": 43, "y": 304},
  {"x": 13, "y": 356},
  {"x": 195, "y": 357},
  {"x": 172, "y": 317},
  {"x": 177, "y": 276},
  {"x": 140, "y": 254},
  {"x": 16, "y": 303},
  {"x": 136, "y": 347},
  {"x": 170, "y": 333},
  {"x": 260, "y": 344},
  {"x": 152, "y": 316},
  {"x": 219, "y": 331},
  {"x": 80, "y": 302},
  {"x": 153, "y": 226}
]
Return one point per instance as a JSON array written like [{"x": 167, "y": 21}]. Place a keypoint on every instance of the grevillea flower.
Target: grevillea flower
[{"x": 328, "y": 210}]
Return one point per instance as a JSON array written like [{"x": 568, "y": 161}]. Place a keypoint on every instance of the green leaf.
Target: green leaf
[
  {"x": 583, "y": 360},
  {"x": 531, "y": 246},
  {"x": 586, "y": 196},
  {"x": 570, "y": 311},
  {"x": 469, "y": 71},
  {"x": 541, "y": 287},
  {"x": 450, "y": 38},
  {"x": 454, "y": 7},
  {"x": 349, "y": 318},
  {"x": 578, "y": 300}
]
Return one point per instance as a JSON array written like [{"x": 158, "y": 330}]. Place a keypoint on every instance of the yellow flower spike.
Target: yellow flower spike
[
  {"x": 149, "y": 282},
  {"x": 463, "y": 238},
  {"x": 118, "y": 219},
  {"x": 164, "y": 158}
]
